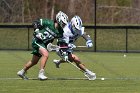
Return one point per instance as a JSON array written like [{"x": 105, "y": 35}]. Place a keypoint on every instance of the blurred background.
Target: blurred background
[
  {"x": 112, "y": 24},
  {"x": 107, "y": 11}
]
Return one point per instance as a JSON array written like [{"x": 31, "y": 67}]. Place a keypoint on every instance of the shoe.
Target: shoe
[
  {"x": 21, "y": 74},
  {"x": 41, "y": 75},
  {"x": 90, "y": 75},
  {"x": 56, "y": 63}
]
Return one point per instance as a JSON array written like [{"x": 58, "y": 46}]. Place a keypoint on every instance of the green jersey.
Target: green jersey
[
  {"x": 47, "y": 31},
  {"x": 44, "y": 35}
]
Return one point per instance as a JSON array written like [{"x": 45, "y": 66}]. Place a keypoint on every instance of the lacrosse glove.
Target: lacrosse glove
[
  {"x": 71, "y": 46},
  {"x": 89, "y": 43},
  {"x": 65, "y": 56}
]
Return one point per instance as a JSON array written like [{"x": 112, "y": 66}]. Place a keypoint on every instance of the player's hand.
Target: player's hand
[
  {"x": 71, "y": 46},
  {"x": 65, "y": 56},
  {"x": 39, "y": 36},
  {"x": 89, "y": 43},
  {"x": 37, "y": 30}
]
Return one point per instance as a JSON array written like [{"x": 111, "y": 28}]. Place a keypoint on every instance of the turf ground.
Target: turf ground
[{"x": 122, "y": 74}]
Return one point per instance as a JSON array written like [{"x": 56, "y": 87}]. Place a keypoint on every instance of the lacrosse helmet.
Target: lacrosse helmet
[
  {"x": 62, "y": 18},
  {"x": 76, "y": 23}
]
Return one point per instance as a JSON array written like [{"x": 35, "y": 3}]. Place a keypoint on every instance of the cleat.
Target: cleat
[
  {"x": 90, "y": 75},
  {"x": 21, "y": 74},
  {"x": 56, "y": 63},
  {"x": 41, "y": 75}
]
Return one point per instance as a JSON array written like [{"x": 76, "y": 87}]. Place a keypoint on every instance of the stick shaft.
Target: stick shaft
[
  {"x": 81, "y": 46},
  {"x": 74, "y": 65}
]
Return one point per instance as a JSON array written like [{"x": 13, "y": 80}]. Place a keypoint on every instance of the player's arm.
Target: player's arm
[
  {"x": 87, "y": 38},
  {"x": 63, "y": 49},
  {"x": 63, "y": 44},
  {"x": 37, "y": 26}
]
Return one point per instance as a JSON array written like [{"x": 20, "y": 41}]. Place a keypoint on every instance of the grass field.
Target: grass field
[{"x": 122, "y": 74}]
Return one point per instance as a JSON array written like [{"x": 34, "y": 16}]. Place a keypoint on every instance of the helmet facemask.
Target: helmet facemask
[
  {"x": 62, "y": 19},
  {"x": 76, "y": 24}
]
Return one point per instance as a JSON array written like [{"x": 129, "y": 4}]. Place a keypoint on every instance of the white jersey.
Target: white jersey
[{"x": 69, "y": 36}]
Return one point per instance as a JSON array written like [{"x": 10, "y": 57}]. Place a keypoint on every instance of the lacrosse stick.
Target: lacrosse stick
[
  {"x": 74, "y": 65},
  {"x": 80, "y": 46},
  {"x": 52, "y": 47}
]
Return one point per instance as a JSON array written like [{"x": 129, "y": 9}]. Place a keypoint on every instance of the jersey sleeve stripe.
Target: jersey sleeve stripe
[{"x": 41, "y": 22}]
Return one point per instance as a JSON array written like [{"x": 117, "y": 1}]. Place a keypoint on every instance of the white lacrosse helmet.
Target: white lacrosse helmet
[
  {"x": 62, "y": 18},
  {"x": 76, "y": 23}
]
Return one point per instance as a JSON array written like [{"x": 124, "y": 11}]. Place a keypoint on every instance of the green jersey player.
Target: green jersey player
[{"x": 45, "y": 31}]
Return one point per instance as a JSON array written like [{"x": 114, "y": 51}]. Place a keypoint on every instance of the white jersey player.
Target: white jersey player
[{"x": 72, "y": 31}]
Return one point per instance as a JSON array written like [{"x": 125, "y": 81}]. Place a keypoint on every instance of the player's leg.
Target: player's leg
[
  {"x": 58, "y": 62},
  {"x": 43, "y": 60},
  {"x": 27, "y": 66},
  {"x": 74, "y": 58},
  {"x": 89, "y": 74}
]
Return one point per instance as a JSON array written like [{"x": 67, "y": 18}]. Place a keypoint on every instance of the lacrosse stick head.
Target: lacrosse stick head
[{"x": 51, "y": 47}]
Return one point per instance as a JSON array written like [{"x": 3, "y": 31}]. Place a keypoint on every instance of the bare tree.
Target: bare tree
[
  {"x": 108, "y": 11},
  {"x": 71, "y": 7},
  {"x": 52, "y": 12},
  {"x": 22, "y": 11}
]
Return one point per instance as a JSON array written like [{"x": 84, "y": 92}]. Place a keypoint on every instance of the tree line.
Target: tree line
[{"x": 108, "y": 11}]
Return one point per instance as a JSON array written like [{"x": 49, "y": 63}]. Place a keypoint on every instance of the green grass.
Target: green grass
[{"x": 123, "y": 74}]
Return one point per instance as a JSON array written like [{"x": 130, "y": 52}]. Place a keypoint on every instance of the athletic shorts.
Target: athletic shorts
[
  {"x": 36, "y": 44},
  {"x": 60, "y": 53}
]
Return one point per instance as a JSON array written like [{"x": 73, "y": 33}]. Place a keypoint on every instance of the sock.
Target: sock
[
  {"x": 23, "y": 70},
  {"x": 41, "y": 70},
  {"x": 87, "y": 70}
]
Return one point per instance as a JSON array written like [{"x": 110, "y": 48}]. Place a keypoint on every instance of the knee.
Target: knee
[
  {"x": 45, "y": 54},
  {"x": 34, "y": 62},
  {"x": 76, "y": 59}
]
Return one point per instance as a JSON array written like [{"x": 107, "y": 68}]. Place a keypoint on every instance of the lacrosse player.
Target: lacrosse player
[
  {"x": 72, "y": 31},
  {"x": 45, "y": 31}
]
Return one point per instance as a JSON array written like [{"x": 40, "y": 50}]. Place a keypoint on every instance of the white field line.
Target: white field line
[
  {"x": 47, "y": 79},
  {"x": 73, "y": 78}
]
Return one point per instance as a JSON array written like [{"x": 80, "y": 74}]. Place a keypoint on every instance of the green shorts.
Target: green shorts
[{"x": 36, "y": 44}]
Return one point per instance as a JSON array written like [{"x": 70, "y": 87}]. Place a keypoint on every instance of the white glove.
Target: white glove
[
  {"x": 71, "y": 46},
  {"x": 39, "y": 36},
  {"x": 65, "y": 56},
  {"x": 37, "y": 30},
  {"x": 89, "y": 43}
]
